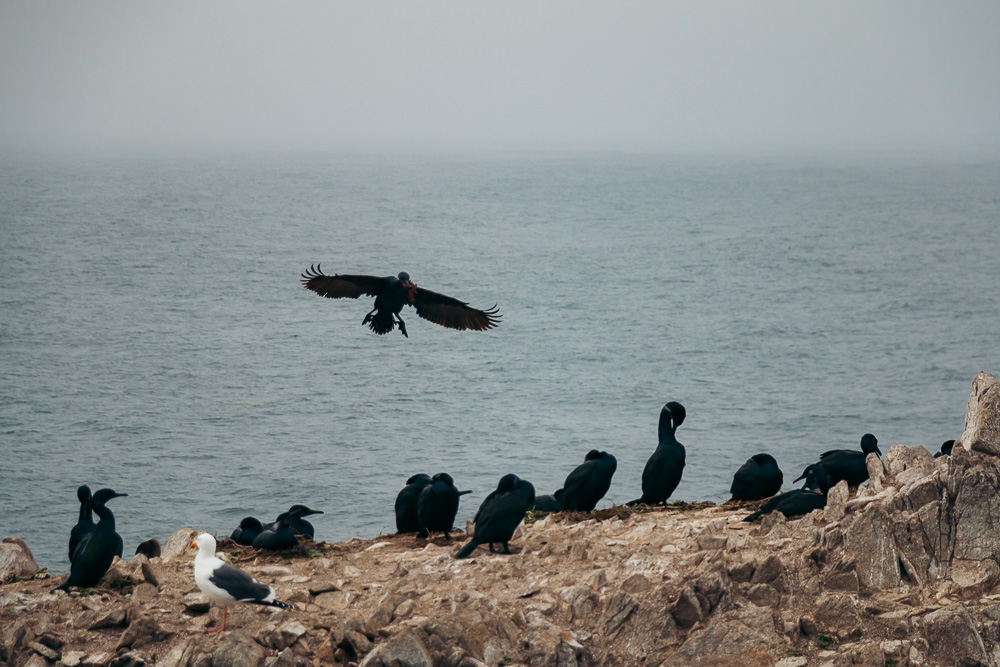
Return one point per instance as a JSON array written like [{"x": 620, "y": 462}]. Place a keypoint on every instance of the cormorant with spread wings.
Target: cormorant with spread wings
[{"x": 392, "y": 293}]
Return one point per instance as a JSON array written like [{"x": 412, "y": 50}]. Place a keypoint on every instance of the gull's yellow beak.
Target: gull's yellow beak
[{"x": 194, "y": 546}]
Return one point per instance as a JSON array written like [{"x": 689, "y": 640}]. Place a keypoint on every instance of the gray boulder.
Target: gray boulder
[
  {"x": 982, "y": 417},
  {"x": 16, "y": 559}
]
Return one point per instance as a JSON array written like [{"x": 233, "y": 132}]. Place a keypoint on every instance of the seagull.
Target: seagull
[
  {"x": 392, "y": 293},
  {"x": 226, "y": 584}
]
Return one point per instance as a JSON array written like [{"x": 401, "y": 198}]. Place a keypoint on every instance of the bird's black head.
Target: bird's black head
[
  {"x": 83, "y": 493},
  {"x": 282, "y": 520},
  {"x": 251, "y": 523},
  {"x": 296, "y": 511},
  {"x": 104, "y": 495},
  {"x": 404, "y": 278},
  {"x": 677, "y": 412},
  {"x": 593, "y": 454},
  {"x": 559, "y": 495},
  {"x": 422, "y": 478},
  {"x": 817, "y": 474},
  {"x": 508, "y": 482},
  {"x": 763, "y": 459},
  {"x": 444, "y": 477},
  {"x": 947, "y": 446},
  {"x": 869, "y": 444}
]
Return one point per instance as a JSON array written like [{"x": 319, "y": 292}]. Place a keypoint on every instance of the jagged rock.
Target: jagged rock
[
  {"x": 764, "y": 595},
  {"x": 772, "y": 571},
  {"x": 36, "y": 660},
  {"x": 839, "y": 615},
  {"x": 196, "y": 603},
  {"x": 746, "y": 632},
  {"x": 285, "y": 658},
  {"x": 113, "y": 619},
  {"x": 404, "y": 649},
  {"x": 75, "y": 659},
  {"x": 238, "y": 651},
  {"x": 16, "y": 559},
  {"x": 127, "y": 659},
  {"x": 982, "y": 416},
  {"x": 143, "y": 630},
  {"x": 145, "y": 593},
  {"x": 179, "y": 655},
  {"x": 177, "y": 544},
  {"x": 836, "y": 500},
  {"x": 291, "y": 632},
  {"x": 953, "y": 638},
  {"x": 868, "y": 541},
  {"x": 44, "y": 651}
]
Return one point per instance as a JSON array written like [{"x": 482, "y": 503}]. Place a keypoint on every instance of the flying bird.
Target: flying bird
[
  {"x": 226, "y": 584},
  {"x": 392, "y": 293}
]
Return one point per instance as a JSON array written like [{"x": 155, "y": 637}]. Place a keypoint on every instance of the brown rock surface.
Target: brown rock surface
[{"x": 907, "y": 572}]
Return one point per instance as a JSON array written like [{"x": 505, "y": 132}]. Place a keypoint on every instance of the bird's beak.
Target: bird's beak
[
  {"x": 193, "y": 545},
  {"x": 312, "y": 512}
]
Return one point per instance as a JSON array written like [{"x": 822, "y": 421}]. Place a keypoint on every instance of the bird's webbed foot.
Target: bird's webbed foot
[
  {"x": 402, "y": 326},
  {"x": 492, "y": 549},
  {"x": 506, "y": 548}
]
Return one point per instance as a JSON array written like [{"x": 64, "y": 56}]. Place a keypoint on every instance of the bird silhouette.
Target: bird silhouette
[{"x": 392, "y": 293}]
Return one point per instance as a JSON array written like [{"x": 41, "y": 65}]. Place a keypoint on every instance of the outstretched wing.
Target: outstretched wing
[
  {"x": 452, "y": 313},
  {"x": 342, "y": 285}
]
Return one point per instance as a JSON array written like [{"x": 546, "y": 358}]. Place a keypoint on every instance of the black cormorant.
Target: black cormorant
[
  {"x": 588, "y": 483},
  {"x": 664, "y": 468},
  {"x": 392, "y": 293},
  {"x": 500, "y": 514},
  {"x": 757, "y": 479}
]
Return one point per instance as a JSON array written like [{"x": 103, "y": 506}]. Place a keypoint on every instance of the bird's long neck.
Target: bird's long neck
[
  {"x": 86, "y": 513},
  {"x": 666, "y": 430},
  {"x": 107, "y": 518}
]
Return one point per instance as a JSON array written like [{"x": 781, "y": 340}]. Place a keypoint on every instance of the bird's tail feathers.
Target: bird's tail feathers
[
  {"x": 754, "y": 516},
  {"x": 380, "y": 322},
  {"x": 275, "y": 603},
  {"x": 467, "y": 549}
]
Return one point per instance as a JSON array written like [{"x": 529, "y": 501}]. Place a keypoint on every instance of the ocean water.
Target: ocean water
[{"x": 154, "y": 336}]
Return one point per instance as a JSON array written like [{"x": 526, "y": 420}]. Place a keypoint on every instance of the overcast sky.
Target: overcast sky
[{"x": 700, "y": 75}]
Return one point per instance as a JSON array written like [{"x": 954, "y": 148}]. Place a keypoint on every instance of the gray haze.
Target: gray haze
[{"x": 578, "y": 75}]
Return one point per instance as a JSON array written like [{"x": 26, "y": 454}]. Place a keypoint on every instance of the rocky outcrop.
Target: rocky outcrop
[
  {"x": 16, "y": 559},
  {"x": 903, "y": 571},
  {"x": 982, "y": 417}
]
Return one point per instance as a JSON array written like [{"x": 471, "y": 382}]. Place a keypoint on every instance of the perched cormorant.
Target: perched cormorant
[
  {"x": 406, "y": 503},
  {"x": 298, "y": 525},
  {"x": 551, "y": 502},
  {"x": 226, "y": 584},
  {"x": 946, "y": 448},
  {"x": 150, "y": 548},
  {"x": 250, "y": 528},
  {"x": 98, "y": 548},
  {"x": 664, "y": 468},
  {"x": 280, "y": 538},
  {"x": 392, "y": 293},
  {"x": 757, "y": 479},
  {"x": 799, "y": 501},
  {"x": 500, "y": 514},
  {"x": 847, "y": 464},
  {"x": 84, "y": 524},
  {"x": 437, "y": 506},
  {"x": 588, "y": 483}
]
